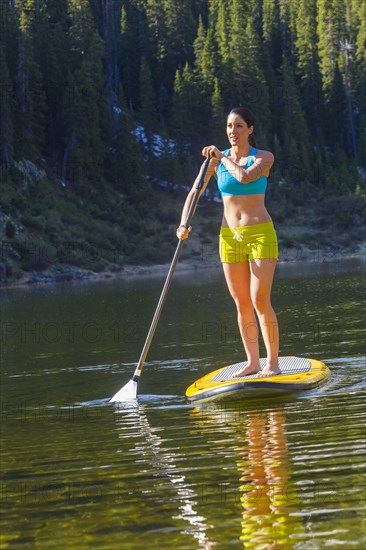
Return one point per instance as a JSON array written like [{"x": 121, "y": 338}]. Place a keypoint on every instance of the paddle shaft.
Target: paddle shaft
[{"x": 166, "y": 286}]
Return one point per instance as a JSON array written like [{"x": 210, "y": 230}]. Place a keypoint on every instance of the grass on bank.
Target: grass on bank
[{"x": 44, "y": 225}]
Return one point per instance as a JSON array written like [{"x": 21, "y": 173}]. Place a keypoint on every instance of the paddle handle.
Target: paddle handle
[{"x": 168, "y": 279}]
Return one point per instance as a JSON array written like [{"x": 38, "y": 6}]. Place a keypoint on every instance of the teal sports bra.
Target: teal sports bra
[{"x": 230, "y": 186}]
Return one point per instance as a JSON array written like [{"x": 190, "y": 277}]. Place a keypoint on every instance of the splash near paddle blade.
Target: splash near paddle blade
[{"x": 127, "y": 393}]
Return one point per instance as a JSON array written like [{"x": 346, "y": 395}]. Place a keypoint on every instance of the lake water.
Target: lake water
[{"x": 78, "y": 472}]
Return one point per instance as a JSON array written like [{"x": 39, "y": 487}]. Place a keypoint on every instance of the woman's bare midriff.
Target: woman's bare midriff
[{"x": 242, "y": 210}]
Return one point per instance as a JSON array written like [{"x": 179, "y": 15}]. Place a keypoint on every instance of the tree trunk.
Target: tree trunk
[{"x": 110, "y": 25}]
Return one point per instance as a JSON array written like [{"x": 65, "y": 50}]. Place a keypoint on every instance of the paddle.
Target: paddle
[{"x": 129, "y": 391}]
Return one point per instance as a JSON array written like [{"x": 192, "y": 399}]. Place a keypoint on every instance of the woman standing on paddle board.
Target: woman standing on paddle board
[{"x": 247, "y": 241}]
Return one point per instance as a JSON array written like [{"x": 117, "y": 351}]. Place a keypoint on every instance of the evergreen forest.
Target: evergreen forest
[{"x": 106, "y": 105}]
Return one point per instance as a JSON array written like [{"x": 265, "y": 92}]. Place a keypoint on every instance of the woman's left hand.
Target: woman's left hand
[{"x": 211, "y": 151}]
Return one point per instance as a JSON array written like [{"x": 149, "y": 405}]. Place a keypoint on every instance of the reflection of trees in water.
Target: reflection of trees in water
[{"x": 163, "y": 463}]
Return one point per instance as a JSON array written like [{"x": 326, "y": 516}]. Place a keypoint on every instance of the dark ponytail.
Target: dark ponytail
[
  {"x": 252, "y": 141},
  {"x": 248, "y": 117}
]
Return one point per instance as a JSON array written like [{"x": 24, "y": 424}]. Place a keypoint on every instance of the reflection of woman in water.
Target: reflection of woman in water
[
  {"x": 248, "y": 242},
  {"x": 268, "y": 495}
]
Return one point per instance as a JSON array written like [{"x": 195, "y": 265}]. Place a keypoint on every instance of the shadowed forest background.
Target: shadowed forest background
[{"x": 106, "y": 105}]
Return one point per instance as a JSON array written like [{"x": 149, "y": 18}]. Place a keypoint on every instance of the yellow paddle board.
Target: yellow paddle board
[{"x": 297, "y": 374}]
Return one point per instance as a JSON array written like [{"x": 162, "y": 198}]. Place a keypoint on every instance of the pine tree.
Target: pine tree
[
  {"x": 328, "y": 43},
  {"x": 271, "y": 31},
  {"x": 9, "y": 35},
  {"x": 244, "y": 82},
  {"x": 130, "y": 53},
  {"x": 148, "y": 111},
  {"x": 199, "y": 46},
  {"x": 159, "y": 57},
  {"x": 189, "y": 112},
  {"x": 125, "y": 164},
  {"x": 109, "y": 23},
  {"x": 271, "y": 59},
  {"x": 207, "y": 59},
  {"x": 206, "y": 68},
  {"x": 218, "y": 116},
  {"x": 307, "y": 65},
  {"x": 295, "y": 137},
  {"x": 347, "y": 49},
  {"x": 360, "y": 81},
  {"x": 85, "y": 104},
  {"x": 269, "y": 19},
  {"x": 181, "y": 108},
  {"x": 51, "y": 49},
  {"x": 181, "y": 29},
  {"x": 256, "y": 92},
  {"x": 335, "y": 112},
  {"x": 277, "y": 169},
  {"x": 288, "y": 16},
  {"x": 220, "y": 17},
  {"x": 6, "y": 123},
  {"x": 238, "y": 45},
  {"x": 29, "y": 90},
  {"x": 156, "y": 23}
]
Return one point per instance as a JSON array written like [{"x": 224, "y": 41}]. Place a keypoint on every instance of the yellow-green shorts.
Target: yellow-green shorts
[{"x": 251, "y": 242}]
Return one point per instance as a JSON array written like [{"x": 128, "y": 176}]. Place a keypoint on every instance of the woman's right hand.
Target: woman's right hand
[
  {"x": 213, "y": 153},
  {"x": 183, "y": 233}
]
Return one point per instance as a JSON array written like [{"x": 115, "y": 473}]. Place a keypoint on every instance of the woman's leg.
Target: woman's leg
[
  {"x": 238, "y": 281},
  {"x": 261, "y": 278}
]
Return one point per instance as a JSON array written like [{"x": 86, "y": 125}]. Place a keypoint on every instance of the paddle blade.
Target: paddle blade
[{"x": 127, "y": 393}]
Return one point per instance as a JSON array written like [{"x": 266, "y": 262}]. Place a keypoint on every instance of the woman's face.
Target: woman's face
[{"x": 237, "y": 130}]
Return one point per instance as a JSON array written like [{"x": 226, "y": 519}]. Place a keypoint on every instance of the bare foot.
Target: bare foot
[
  {"x": 248, "y": 369},
  {"x": 271, "y": 370}
]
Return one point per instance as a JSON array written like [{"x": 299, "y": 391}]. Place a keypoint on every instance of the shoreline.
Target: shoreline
[{"x": 69, "y": 274}]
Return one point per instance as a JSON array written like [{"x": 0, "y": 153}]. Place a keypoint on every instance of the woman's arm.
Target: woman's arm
[
  {"x": 261, "y": 167},
  {"x": 182, "y": 231}
]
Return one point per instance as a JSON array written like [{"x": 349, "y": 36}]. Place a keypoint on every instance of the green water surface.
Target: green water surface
[{"x": 78, "y": 472}]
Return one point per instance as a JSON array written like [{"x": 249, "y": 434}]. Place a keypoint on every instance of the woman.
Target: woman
[{"x": 248, "y": 242}]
